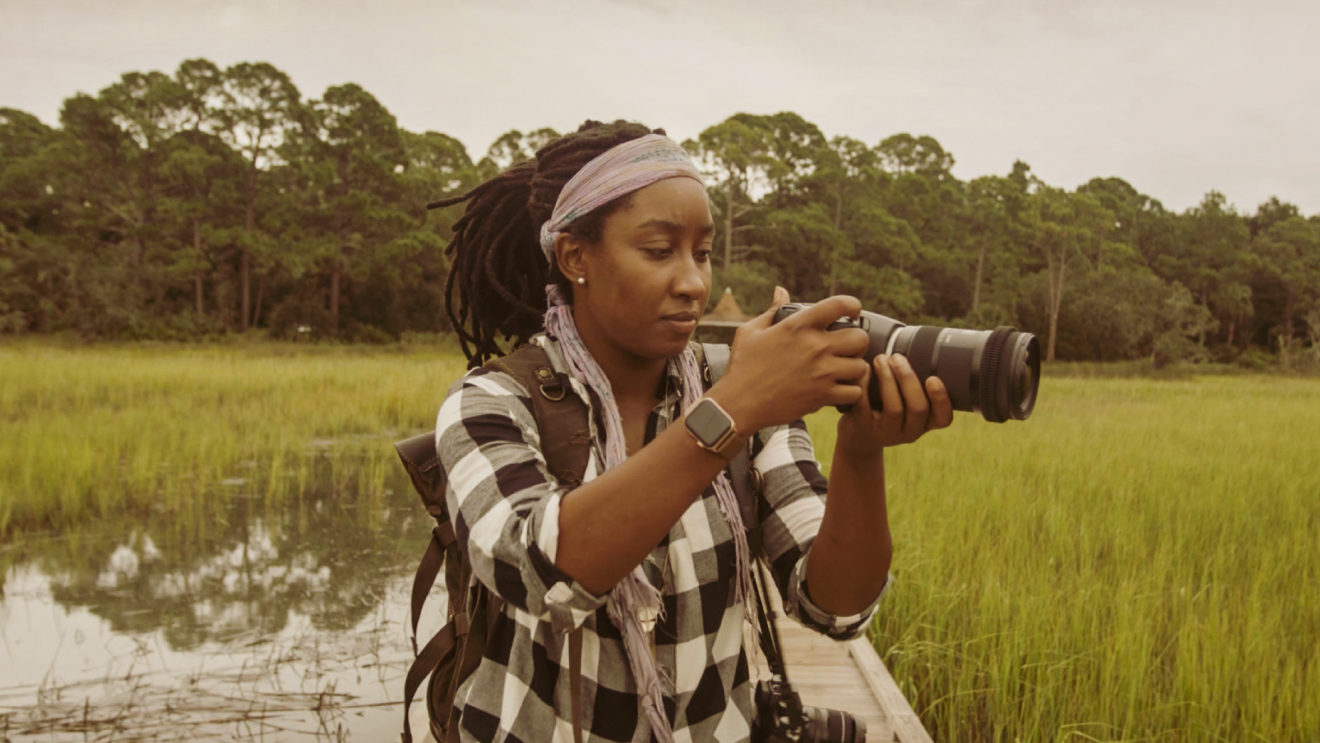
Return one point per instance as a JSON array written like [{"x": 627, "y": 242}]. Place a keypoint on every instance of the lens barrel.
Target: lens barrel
[
  {"x": 832, "y": 726},
  {"x": 993, "y": 372}
]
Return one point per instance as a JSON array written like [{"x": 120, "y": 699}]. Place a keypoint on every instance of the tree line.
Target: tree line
[{"x": 213, "y": 201}]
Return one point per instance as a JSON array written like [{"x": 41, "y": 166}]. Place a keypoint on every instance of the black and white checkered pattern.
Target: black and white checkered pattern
[{"x": 506, "y": 511}]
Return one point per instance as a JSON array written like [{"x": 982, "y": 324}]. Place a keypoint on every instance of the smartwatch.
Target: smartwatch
[{"x": 713, "y": 428}]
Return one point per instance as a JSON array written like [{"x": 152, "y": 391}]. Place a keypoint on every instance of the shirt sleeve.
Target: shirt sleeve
[
  {"x": 791, "y": 505},
  {"x": 504, "y": 502}
]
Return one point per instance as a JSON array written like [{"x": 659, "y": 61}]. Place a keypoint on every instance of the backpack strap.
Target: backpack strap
[
  {"x": 428, "y": 477},
  {"x": 561, "y": 421},
  {"x": 419, "y": 458},
  {"x": 561, "y": 416}
]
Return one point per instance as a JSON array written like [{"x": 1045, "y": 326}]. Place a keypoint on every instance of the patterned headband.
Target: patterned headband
[{"x": 631, "y": 166}]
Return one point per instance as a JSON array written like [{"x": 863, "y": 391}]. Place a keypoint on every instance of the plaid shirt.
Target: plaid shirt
[{"x": 506, "y": 512}]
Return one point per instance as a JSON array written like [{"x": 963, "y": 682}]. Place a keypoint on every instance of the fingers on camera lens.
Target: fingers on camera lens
[
  {"x": 889, "y": 394},
  {"x": 940, "y": 404}
]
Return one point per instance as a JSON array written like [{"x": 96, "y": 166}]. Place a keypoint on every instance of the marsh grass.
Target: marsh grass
[
  {"x": 1138, "y": 562},
  {"x": 1135, "y": 563},
  {"x": 99, "y": 430}
]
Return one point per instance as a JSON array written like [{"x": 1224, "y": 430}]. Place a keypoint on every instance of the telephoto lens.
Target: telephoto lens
[
  {"x": 993, "y": 372},
  {"x": 781, "y": 717}
]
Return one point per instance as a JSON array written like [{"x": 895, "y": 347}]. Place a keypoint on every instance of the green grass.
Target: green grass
[
  {"x": 1135, "y": 563},
  {"x": 96, "y": 431}
]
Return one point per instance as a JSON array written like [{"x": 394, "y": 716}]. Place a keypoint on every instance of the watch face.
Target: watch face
[{"x": 708, "y": 422}]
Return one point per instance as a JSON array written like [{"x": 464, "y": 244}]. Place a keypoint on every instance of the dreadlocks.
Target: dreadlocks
[{"x": 497, "y": 281}]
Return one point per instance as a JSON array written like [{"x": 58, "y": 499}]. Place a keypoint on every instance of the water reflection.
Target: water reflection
[{"x": 246, "y": 618}]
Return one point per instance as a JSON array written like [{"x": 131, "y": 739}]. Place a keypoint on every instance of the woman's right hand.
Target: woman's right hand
[{"x": 780, "y": 372}]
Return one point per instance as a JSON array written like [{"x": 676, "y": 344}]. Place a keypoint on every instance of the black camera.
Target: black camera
[
  {"x": 782, "y": 718},
  {"x": 995, "y": 372}
]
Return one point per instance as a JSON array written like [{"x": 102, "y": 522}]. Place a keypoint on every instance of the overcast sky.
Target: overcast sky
[{"x": 1176, "y": 96}]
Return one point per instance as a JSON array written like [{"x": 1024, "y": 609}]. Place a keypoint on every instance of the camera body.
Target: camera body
[
  {"x": 993, "y": 372},
  {"x": 782, "y": 718}
]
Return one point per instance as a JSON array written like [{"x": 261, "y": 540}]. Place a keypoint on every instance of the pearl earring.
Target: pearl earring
[{"x": 582, "y": 280}]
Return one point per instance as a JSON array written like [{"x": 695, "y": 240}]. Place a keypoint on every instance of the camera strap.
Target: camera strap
[{"x": 771, "y": 645}]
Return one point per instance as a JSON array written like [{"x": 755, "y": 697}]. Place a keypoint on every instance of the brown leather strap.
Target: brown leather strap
[
  {"x": 575, "y": 680},
  {"x": 432, "y": 560},
  {"x": 561, "y": 421},
  {"x": 441, "y": 645},
  {"x": 561, "y": 417}
]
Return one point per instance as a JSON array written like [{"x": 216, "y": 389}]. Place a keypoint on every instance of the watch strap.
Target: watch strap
[{"x": 730, "y": 443}]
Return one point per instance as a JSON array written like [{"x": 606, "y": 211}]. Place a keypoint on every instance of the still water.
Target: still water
[{"x": 244, "y": 619}]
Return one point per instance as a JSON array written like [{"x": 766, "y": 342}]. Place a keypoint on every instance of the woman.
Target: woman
[{"x": 648, "y": 556}]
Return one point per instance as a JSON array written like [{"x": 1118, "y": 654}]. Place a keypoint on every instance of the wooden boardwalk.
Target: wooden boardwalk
[{"x": 847, "y": 676}]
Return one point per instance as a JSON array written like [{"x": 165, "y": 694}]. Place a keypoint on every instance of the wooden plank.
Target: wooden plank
[{"x": 906, "y": 725}]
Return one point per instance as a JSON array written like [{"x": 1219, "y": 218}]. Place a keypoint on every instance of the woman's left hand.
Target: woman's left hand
[{"x": 909, "y": 411}]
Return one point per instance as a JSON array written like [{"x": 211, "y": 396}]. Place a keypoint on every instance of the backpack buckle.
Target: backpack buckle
[{"x": 551, "y": 388}]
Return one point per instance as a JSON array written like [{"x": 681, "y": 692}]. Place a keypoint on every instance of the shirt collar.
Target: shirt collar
[{"x": 669, "y": 390}]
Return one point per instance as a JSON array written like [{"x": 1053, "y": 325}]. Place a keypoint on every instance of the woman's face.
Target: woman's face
[{"x": 649, "y": 277}]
